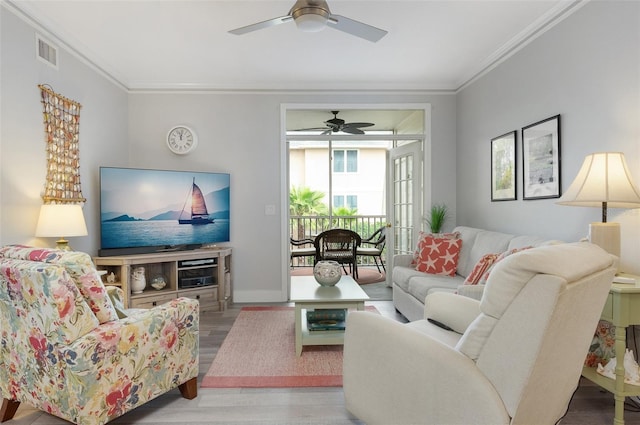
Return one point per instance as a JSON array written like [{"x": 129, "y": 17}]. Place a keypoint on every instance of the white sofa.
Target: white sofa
[
  {"x": 515, "y": 357},
  {"x": 410, "y": 287}
]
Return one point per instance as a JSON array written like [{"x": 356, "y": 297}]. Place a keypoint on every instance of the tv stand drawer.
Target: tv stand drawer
[
  {"x": 151, "y": 301},
  {"x": 208, "y": 297}
]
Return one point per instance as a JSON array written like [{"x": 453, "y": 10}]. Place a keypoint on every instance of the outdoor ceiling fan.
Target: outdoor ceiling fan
[
  {"x": 336, "y": 125},
  {"x": 313, "y": 16}
]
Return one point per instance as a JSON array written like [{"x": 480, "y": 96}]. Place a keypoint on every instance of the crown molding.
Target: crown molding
[{"x": 547, "y": 21}]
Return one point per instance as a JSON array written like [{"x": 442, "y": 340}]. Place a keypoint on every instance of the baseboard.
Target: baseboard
[{"x": 259, "y": 296}]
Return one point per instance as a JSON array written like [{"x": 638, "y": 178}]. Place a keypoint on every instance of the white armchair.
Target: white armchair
[{"x": 515, "y": 357}]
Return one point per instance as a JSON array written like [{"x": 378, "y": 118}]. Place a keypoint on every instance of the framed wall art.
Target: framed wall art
[
  {"x": 503, "y": 167},
  {"x": 541, "y": 159}
]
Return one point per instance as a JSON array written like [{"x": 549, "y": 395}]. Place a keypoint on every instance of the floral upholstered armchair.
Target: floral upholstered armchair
[{"x": 64, "y": 350}]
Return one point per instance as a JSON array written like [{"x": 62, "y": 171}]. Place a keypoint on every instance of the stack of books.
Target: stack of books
[{"x": 326, "y": 319}]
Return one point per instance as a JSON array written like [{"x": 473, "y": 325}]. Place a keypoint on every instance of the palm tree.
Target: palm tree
[
  {"x": 343, "y": 213},
  {"x": 304, "y": 201}
]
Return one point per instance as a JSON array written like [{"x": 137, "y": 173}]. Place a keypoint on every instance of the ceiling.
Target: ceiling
[{"x": 184, "y": 45}]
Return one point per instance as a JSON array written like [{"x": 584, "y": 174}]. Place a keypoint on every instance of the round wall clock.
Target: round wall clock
[{"x": 181, "y": 140}]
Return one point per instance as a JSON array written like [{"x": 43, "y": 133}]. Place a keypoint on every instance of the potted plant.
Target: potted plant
[{"x": 436, "y": 218}]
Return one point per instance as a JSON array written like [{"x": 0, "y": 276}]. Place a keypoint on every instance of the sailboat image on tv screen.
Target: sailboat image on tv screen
[{"x": 199, "y": 213}]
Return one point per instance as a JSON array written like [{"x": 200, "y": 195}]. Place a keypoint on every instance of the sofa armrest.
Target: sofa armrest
[
  {"x": 402, "y": 260},
  {"x": 452, "y": 310},
  {"x": 471, "y": 291},
  {"x": 423, "y": 380}
]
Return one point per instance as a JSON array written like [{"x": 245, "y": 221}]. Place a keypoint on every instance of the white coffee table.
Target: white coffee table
[{"x": 307, "y": 294}]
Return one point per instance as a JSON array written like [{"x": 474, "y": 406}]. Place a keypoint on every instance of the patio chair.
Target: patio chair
[
  {"x": 376, "y": 241},
  {"x": 339, "y": 245},
  {"x": 303, "y": 250}
]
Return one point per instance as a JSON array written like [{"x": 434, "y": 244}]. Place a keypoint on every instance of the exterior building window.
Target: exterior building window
[
  {"x": 345, "y": 161},
  {"x": 349, "y": 201},
  {"x": 352, "y": 202},
  {"x": 338, "y": 201}
]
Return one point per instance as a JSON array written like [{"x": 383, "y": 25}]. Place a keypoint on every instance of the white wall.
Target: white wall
[
  {"x": 240, "y": 134},
  {"x": 587, "y": 69},
  {"x": 103, "y": 131}
]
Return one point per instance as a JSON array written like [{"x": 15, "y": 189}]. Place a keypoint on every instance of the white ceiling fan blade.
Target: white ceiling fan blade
[
  {"x": 356, "y": 28},
  {"x": 261, "y": 25}
]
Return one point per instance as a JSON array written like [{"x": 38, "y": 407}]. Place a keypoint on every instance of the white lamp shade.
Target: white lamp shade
[
  {"x": 61, "y": 221},
  {"x": 604, "y": 177}
]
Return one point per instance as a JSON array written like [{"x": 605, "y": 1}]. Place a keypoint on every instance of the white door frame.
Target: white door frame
[{"x": 284, "y": 164}]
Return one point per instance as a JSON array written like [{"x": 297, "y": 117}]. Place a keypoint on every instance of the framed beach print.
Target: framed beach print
[
  {"x": 541, "y": 159},
  {"x": 503, "y": 167}
]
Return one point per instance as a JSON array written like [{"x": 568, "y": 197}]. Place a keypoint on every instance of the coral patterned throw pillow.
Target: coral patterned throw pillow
[
  {"x": 423, "y": 235},
  {"x": 485, "y": 276},
  {"x": 438, "y": 255},
  {"x": 480, "y": 268}
]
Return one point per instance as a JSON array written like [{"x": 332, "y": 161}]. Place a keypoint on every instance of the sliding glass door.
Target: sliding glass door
[{"x": 337, "y": 183}]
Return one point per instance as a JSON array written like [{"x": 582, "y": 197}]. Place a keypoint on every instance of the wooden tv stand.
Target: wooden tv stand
[{"x": 202, "y": 274}]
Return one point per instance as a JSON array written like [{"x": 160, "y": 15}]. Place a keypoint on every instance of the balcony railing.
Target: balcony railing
[{"x": 309, "y": 226}]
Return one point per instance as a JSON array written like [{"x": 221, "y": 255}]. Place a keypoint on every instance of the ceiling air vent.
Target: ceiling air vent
[{"x": 46, "y": 52}]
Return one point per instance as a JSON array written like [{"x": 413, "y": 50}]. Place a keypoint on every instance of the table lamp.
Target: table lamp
[
  {"x": 603, "y": 181},
  {"x": 60, "y": 220}
]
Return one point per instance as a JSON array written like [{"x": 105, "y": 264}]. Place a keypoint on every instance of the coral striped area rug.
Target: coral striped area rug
[{"x": 259, "y": 352}]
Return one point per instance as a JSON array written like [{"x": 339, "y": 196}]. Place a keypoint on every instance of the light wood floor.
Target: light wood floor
[{"x": 288, "y": 406}]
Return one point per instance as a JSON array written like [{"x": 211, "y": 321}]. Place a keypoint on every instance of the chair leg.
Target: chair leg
[
  {"x": 189, "y": 389},
  {"x": 8, "y": 409},
  {"x": 375, "y": 260}
]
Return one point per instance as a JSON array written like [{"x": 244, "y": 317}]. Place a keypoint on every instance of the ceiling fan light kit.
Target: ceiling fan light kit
[
  {"x": 314, "y": 16},
  {"x": 310, "y": 17},
  {"x": 311, "y": 23}
]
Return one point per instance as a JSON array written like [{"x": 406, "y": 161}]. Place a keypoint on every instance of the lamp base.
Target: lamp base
[
  {"x": 63, "y": 244},
  {"x": 606, "y": 236}
]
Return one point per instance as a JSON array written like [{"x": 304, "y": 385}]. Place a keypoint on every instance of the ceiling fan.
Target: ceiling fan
[
  {"x": 313, "y": 16},
  {"x": 336, "y": 125}
]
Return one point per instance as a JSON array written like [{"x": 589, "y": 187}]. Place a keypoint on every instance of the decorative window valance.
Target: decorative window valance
[{"x": 61, "y": 125}]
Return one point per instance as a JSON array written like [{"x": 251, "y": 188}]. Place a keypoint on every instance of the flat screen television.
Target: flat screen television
[{"x": 144, "y": 211}]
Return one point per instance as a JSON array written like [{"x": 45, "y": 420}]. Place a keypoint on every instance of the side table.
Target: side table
[{"x": 622, "y": 309}]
